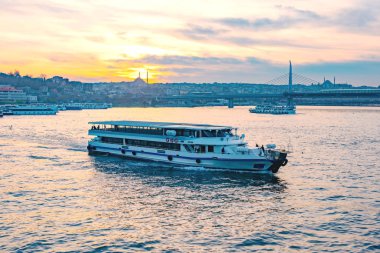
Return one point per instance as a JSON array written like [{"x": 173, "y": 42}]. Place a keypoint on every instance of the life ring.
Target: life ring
[
  {"x": 133, "y": 152},
  {"x": 284, "y": 162},
  {"x": 198, "y": 160},
  {"x": 170, "y": 158}
]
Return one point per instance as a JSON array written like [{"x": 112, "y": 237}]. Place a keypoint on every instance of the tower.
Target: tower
[
  {"x": 290, "y": 98},
  {"x": 290, "y": 77}
]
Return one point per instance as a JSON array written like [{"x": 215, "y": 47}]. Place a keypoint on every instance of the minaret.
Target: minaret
[
  {"x": 290, "y": 77},
  {"x": 334, "y": 80},
  {"x": 139, "y": 75},
  {"x": 147, "y": 76}
]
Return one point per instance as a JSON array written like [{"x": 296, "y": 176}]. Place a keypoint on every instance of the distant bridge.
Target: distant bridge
[
  {"x": 334, "y": 94},
  {"x": 324, "y": 93},
  {"x": 290, "y": 95}
]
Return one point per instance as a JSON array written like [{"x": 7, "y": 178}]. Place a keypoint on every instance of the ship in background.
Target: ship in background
[
  {"x": 48, "y": 109},
  {"x": 34, "y": 110},
  {"x": 274, "y": 109},
  {"x": 289, "y": 108},
  {"x": 84, "y": 106}
]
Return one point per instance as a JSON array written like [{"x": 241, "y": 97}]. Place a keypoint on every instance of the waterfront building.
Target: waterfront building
[{"x": 9, "y": 94}]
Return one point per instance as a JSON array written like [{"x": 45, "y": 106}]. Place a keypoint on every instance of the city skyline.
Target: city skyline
[{"x": 201, "y": 41}]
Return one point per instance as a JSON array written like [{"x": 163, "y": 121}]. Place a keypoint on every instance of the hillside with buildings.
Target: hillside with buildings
[{"x": 15, "y": 88}]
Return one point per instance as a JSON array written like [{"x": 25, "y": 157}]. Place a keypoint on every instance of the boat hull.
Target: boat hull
[
  {"x": 252, "y": 164},
  {"x": 34, "y": 113}
]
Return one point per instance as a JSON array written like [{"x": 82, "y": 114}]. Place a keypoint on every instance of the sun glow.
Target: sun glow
[{"x": 114, "y": 41}]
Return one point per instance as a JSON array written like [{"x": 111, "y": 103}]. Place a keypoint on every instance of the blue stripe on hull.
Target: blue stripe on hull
[{"x": 185, "y": 157}]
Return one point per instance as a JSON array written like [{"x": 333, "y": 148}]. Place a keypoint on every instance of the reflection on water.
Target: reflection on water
[
  {"x": 54, "y": 197},
  {"x": 159, "y": 174}
]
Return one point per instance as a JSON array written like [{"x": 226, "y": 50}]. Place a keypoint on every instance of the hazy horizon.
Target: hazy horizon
[{"x": 200, "y": 42}]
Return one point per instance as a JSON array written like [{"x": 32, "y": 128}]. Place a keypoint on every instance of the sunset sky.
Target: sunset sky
[{"x": 192, "y": 41}]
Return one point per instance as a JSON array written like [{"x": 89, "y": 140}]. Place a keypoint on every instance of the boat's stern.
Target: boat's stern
[{"x": 278, "y": 157}]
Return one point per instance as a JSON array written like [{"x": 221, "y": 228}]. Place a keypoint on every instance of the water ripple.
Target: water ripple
[{"x": 56, "y": 198}]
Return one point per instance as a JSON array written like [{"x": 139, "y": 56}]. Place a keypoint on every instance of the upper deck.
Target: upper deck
[
  {"x": 181, "y": 132},
  {"x": 162, "y": 125}
]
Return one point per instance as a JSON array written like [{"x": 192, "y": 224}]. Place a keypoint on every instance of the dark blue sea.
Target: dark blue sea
[{"x": 54, "y": 197}]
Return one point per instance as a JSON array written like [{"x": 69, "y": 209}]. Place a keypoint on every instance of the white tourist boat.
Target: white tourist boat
[
  {"x": 84, "y": 106},
  {"x": 34, "y": 110},
  {"x": 274, "y": 109},
  {"x": 208, "y": 146}
]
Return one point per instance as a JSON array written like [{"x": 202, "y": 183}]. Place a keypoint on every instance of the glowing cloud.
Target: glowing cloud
[{"x": 200, "y": 41}]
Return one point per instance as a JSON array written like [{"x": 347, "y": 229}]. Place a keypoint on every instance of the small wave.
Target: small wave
[
  {"x": 43, "y": 158},
  {"x": 192, "y": 168},
  {"x": 46, "y": 147},
  {"x": 77, "y": 149},
  {"x": 19, "y": 193}
]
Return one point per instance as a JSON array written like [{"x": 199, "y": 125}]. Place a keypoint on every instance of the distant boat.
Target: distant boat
[
  {"x": 34, "y": 110},
  {"x": 82, "y": 106},
  {"x": 96, "y": 105},
  {"x": 274, "y": 109},
  {"x": 73, "y": 107},
  {"x": 61, "y": 108},
  {"x": 7, "y": 112},
  {"x": 6, "y": 109}
]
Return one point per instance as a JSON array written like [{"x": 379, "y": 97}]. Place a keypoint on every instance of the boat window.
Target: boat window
[
  {"x": 210, "y": 149},
  {"x": 187, "y": 148},
  {"x": 199, "y": 148},
  {"x": 258, "y": 166},
  {"x": 135, "y": 129},
  {"x": 162, "y": 131},
  {"x": 207, "y": 133},
  {"x": 112, "y": 140},
  {"x": 153, "y": 144}
]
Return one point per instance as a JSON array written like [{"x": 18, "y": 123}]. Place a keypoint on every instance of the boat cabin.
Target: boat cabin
[
  {"x": 192, "y": 138},
  {"x": 164, "y": 129}
]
